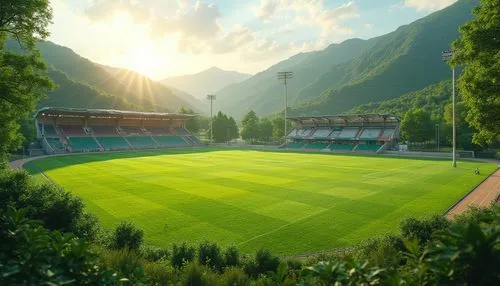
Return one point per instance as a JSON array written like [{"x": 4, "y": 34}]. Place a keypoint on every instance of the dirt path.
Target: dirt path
[{"x": 482, "y": 196}]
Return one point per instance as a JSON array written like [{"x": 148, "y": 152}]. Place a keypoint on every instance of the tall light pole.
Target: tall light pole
[
  {"x": 211, "y": 97},
  {"x": 285, "y": 76},
  {"x": 446, "y": 56}
]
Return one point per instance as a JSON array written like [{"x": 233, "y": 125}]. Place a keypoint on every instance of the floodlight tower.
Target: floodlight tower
[
  {"x": 211, "y": 97},
  {"x": 446, "y": 56},
  {"x": 285, "y": 76}
]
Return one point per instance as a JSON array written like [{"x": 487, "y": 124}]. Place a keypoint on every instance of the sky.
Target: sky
[{"x": 162, "y": 38}]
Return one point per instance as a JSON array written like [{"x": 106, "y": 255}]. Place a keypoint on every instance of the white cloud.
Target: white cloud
[
  {"x": 235, "y": 39},
  {"x": 101, "y": 10},
  {"x": 311, "y": 13},
  {"x": 199, "y": 22},
  {"x": 267, "y": 9},
  {"x": 428, "y": 5}
]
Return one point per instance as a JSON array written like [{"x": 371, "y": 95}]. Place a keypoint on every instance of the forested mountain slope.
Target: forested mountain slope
[{"x": 405, "y": 60}]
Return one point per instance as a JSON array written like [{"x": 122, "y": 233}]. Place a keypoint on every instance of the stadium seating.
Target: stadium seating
[
  {"x": 181, "y": 131},
  {"x": 321, "y": 133},
  {"x": 170, "y": 141},
  {"x": 141, "y": 141},
  {"x": 300, "y": 132},
  {"x": 370, "y": 134},
  {"x": 368, "y": 147},
  {"x": 387, "y": 134},
  {"x": 193, "y": 140},
  {"x": 336, "y": 131},
  {"x": 56, "y": 144},
  {"x": 348, "y": 133},
  {"x": 295, "y": 145},
  {"x": 103, "y": 129},
  {"x": 113, "y": 143},
  {"x": 49, "y": 130},
  {"x": 79, "y": 144},
  {"x": 72, "y": 130},
  {"x": 346, "y": 147},
  {"x": 132, "y": 129},
  {"x": 316, "y": 146},
  {"x": 159, "y": 130}
]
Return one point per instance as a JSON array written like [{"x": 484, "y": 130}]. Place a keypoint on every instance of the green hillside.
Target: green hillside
[
  {"x": 405, "y": 60},
  {"x": 263, "y": 92},
  {"x": 432, "y": 99},
  {"x": 162, "y": 96},
  {"x": 70, "y": 93},
  {"x": 131, "y": 86}
]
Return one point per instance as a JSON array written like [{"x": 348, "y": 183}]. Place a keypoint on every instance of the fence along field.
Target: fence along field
[{"x": 290, "y": 203}]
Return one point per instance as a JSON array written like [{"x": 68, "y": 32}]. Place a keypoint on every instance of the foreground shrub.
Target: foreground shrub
[
  {"x": 126, "y": 235},
  {"x": 386, "y": 251},
  {"x": 421, "y": 230},
  {"x": 57, "y": 209},
  {"x": 232, "y": 256},
  {"x": 465, "y": 254},
  {"x": 349, "y": 272},
  {"x": 182, "y": 254},
  {"x": 33, "y": 255},
  {"x": 154, "y": 254},
  {"x": 127, "y": 262},
  {"x": 209, "y": 254},
  {"x": 160, "y": 273},
  {"x": 264, "y": 262},
  {"x": 199, "y": 275},
  {"x": 235, "y": 276}
]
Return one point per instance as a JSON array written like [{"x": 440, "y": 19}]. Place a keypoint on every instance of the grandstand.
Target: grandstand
[
  {"x": 344, "y": 133},
  {"x": 62, "y": 130}
]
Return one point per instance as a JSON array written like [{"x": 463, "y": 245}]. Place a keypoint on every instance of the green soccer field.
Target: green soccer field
[{"x": 290, "y": 203}]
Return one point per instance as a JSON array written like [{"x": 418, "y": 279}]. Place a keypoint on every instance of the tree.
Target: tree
[
  {"x": 265, "y": 130},
  {"x": 224, "y": 128},
  {"x": 192, "y": 124},
  {"x": 477, "y": 51},
  {"x": 22, "y": 79},
  {"x": 464, "y": 131},
  {"x": 417, "y": 126},
  {"x": 250, "y": 124},
  {"x": 279, "y": 125}
]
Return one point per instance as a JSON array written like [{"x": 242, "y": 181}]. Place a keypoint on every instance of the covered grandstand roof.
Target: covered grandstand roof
[
  {"x": 346, "y": 118},
  {"x": 106, "y": 113}
]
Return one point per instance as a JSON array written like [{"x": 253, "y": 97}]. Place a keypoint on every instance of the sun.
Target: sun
[{"x": 142, "y": 59}]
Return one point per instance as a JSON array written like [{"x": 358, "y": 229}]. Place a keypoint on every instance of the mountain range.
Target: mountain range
[
  {"x": 205, "y": 82},
  {"x": 355, "y": 71},
  {"x": 338, "y": 79},
  {"x": 85, "y": 84}
]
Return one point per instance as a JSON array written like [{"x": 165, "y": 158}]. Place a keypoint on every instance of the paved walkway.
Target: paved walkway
[{"x": 482, "y": 196}]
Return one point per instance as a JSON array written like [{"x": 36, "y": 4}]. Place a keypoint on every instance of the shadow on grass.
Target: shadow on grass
[{"x": 38, "y": 166}]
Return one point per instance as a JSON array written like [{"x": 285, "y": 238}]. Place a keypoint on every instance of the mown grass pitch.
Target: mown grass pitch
[{"x": 290, "y": 203}]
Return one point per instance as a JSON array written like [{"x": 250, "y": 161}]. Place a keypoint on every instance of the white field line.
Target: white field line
[
  {"x": 281, "y": 227},
  {"x": 379, "y": 173}
]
